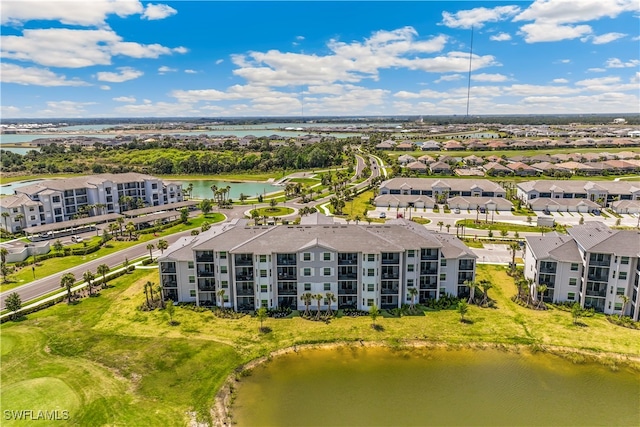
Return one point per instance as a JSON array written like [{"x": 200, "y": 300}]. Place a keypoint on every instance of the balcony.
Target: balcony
[
  {"x": 169, "y": 284},
  {"x": 428, "y": 255},
  {"x": 167, "y": 269},
  {"x": 348, "y": 288},
  {"x": 348, "y": 276},
  {"x": 204, "y": 258},
  {"x": 599, "y": 263},
  {"x": 244, "y": 291},
  {"x": 287, "y": 290},
  {"x": 389, "y": 290},
  {"x": 548, "y": 283},
  {"x": 598, "y": 277},
  {"x": 595, "y": 293},
  {"x": 207, "y": 287},
  {"x": 286, "y": 259},
  {"x": 548, "y": 270},
  {"x": 243, "y": 261},
  {"x": 348, "y": 261},
  {"x": 205, "y": 273},
  {"x": 428, "y": 272},
  {"x": 391, "y": 261},
  {"x": 465, "y": 266}
]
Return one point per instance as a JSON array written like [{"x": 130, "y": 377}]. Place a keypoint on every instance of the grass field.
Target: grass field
[
  {"x": 110, "y": 364},
  {"x": 499, "y": 226},
  {"x": 276, "y": 211}
]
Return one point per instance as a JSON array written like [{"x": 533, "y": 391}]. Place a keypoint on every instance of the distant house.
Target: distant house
[
  {"x": 453, "y": 145},
  {"x": 384, "y": 145},
  {"x": 426, "y": 159},
  {"x": 417, "y": 167},
  {"x": 473, "y": 160},
  {"x": 406, "y": 159},
  {"x": 405, "y": 146},
  {"x": 440, "y": 168},
  {"x": 522, "y": 169},
  {"x": 430, "y": 146},
  {"x": 496, "y": 169}
]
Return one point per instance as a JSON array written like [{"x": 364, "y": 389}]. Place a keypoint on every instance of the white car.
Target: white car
[
  {"x": 457, "y": 210},
  {"x": 76, "y": 239},
  {"x": 383, "y": 215}
]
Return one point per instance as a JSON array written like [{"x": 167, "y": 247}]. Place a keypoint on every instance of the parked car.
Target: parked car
[
  {"x": 76, "y": 239},
  {"x": 595, "y": 211},
  {"x": 457, "y": 210},
  {"x": 383, "y": 215},
  {"x": 546, "y": 212},
  {"x": 483, "y": 210}
]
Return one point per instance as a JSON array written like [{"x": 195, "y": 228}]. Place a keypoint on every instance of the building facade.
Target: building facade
[
  {"x": 60, "y": 200},
  {"x": 247, "y": 267},
  {"x": 592, "y": 265}
]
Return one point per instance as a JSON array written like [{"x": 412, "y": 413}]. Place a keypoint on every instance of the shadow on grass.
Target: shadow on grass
[
  {"x": 467, "y": 321},
  {"x": 173, "y": 323},
  {"x": 265, "y": 329},
  {"x": 580, "y": 324},
  {"x": 378, "y": 328}
]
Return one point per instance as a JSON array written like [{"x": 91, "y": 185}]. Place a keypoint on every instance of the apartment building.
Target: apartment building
[
  {"x": 426, "y": 192},
  {"x": 570, "y": 194},
  {"x": 273, "y": 266},
  {"x": 58, "y": 200},
  {"x": 592, "y": 265}
]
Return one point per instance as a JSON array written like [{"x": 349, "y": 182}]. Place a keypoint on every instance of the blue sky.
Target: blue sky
[{"x": 129, "y": 58}]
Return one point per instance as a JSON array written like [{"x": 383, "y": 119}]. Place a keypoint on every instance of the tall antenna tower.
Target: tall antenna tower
[{"x": 469, "y": 78}]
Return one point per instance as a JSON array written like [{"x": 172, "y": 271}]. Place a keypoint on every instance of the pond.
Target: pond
[
  {"x": 418, "y": 387},
  {"x": 202, "y": 188}
]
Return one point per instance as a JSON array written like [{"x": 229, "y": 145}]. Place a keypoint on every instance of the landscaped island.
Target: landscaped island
[{"x": 108, "y": 362}]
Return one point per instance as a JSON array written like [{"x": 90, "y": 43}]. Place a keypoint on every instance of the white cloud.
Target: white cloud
[
  {"x": 164, "y": 69},
  {"x": 9, "y": 111},
  {"x": 556, "y": 20},
  {"x": 347, "y": 62},
  {"x": 478, "y": 17},
  {"x": 605, "y": 38},
  {"x": 449, "y": 78},
  {"x": 12, "y": 73},
  {"x": 85, "y": 13},
  {"x": 65, "y": 109},
  {"x": 484, "y": 77},
  {"x": 551, "y": 32},
  {"x": 596, "y": 70},
  {"x": 158, "y": 11},
  {"x": 105, "y": 87},
  {"x": 219, "y": 61},
  {"x": 560, "y": 81},
  {"x": 533, "y": 90},
  {"x": 62, "y": 47},
  {"x": 617, "y": 63},
  {"x": 129, "y": 99},
  {"x": 635, "y": 78},
  {"x": 188, "y": 71},
  {"x": 124, "y": 74},
  {"x": 500, "y": 37},
  {"x": 598, "y": 81}
]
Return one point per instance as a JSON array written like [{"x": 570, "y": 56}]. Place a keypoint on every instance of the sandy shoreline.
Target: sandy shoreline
[{"x": 221, "y": 410}]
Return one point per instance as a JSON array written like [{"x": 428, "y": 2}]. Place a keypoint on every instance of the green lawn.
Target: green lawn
[
  {"x": 357, "y": 206},
  {"x": 499, "y": 226},
  {"x": 276, "y": 211},
  {"x": 109, "y": 363}
]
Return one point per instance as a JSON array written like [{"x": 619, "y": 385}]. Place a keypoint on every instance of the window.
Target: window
[
  {"x": 326, "y": 256},
  {"x": 226, "y": 298},
  {"x": 190, "y": 264},
  {"x": 306, "y": 272},
  {"x": 192, "y": 279},
  {"x": 327, "y": 286},
  {"x": 618, "y": 306},
  {"x": 56, "y": 199},
  {"x": 371, "y": 257},
  {"x": 370, "y": 272},
  {"x": 223, "y": 269},
  {"x": 326, "y": 271},
  {"x": 263, "y": 288},
  {"x": 624, "y": 260},
  {"x": 263, "y": 273},
  {"x": 409, "y": 283},
  {"x": 571, "y": 296},
  {"x": 264, "y": 303},
  {"x": 443, "y": 277},
  {"x": 192, "y": 293},
  {"x": 574, "y": 266},
  {"x": 371, "y": 287},
  {"x": 622, "y": 275},
  {"x": 573, "y": 281},
  {"x": 263, "y": 258},
  {"x": 619, "y": 291},
  {"x": 306, "y": 256},
  {"x": 411, "y": 253},
  {"x": 369, "y": 302},
  {"x": 307, "y": 286},
  {"x": 410, "y": 267},
  {"x": 223, "y": 255},
  {"x": 224, "y": 284},
  {"x": 443, "y": 262}
]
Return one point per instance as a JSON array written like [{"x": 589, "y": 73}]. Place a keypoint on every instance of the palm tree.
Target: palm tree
[
  {"x": 88, "y": 278},
  {"x": 20, "y": 217},
  {"x": 58, "y": 246},
  {"x": 440, "y": 224},
  {"x": 330, "y": 298},
  {"x": 306, "y": 298},
  {"x": 462, "y": 310},
  {"x": 159, "y": 291},
  {"x": 146, "y": 293},
  {"x": 150, "y": 247},
  {"x": 374, "y": 312},
  {"x": 448, "y": 226},
  {"x": 3, "y": 255},
  {"x": 67, "y": 281},
  {"x": 514, "y": 246},
  {"x": 273, "y": 203},
  {"x": 120, "y": 222},
  {"x": 485, "y": 285},
  {"x": 625, "y": 301},
  {"x": 220, "y": 295},
  {"x": 6, "y": 215},
  {"x": 162, "y": 245},
  {"x": 190, "y": 189},
  {"x": 413, "y": 293},
  {"x": 541, "y": 290},
  {"x": 472, "y": 285},
  {"x": 103, "y": 269},
  {"x": 318, "y": 298},
  {"x": 130, "y": 228}
]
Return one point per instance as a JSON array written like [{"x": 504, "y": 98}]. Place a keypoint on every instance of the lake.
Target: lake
[
  {"x": 202, "y": 188},
  {"x": 419, "y": 387}
]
